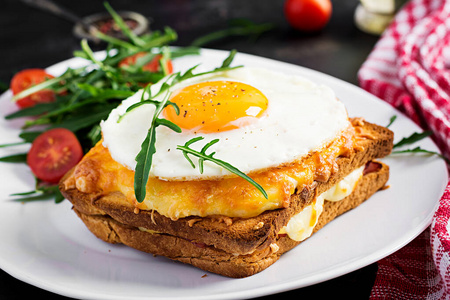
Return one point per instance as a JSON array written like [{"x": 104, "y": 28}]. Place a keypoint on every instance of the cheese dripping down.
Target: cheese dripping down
[{"x": 301, "y": 225}]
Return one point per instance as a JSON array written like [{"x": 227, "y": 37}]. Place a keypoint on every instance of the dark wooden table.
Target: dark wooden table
[{"x": 32, "y": 38}]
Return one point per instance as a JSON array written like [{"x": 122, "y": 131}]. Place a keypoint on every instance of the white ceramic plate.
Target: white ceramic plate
[{"x": 46, "y": 245}]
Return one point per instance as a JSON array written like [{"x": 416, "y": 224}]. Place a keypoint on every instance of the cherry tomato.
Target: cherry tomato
[
  {"x": 53, "y": 153},
  {"x": 152, "y": 66},
  {"x": 308, "y": 15},
  {"x": 27, "y": 78}
]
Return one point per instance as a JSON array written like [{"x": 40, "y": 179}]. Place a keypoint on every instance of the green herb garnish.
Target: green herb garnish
[
  {"x": 391, "y": 120},
  {"x": 415, "y": 137},
  {"x": 15, "y": 158},
  {"x": 202, "y": 156},
  {"x": 145, "y": 156},
  {"x": 43, "y": 85},
  {"x": 420, "y": 150},
  {"x": 125, "y": 29},
  {"x": 41, "y": 192}
]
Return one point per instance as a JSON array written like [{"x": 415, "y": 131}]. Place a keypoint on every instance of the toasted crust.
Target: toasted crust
[
  {"x": 234, "y": 247},
  {"x": 234, "y": 235},
  {"x": 209, "y": 258}
]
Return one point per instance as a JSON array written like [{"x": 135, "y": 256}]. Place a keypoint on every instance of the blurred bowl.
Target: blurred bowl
[{"x": 105, "y": 23}]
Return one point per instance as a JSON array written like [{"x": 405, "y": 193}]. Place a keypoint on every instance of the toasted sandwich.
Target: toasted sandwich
[{"x": 218, "y": 220}]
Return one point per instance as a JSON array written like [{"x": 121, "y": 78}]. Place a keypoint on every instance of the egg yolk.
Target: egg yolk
[{"x": 216, "y": 106}]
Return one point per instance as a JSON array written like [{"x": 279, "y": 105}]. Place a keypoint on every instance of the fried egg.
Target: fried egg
[{"x": 263, "y": 119}]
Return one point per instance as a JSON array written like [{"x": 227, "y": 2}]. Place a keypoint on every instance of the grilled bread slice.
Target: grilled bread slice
[
  {"x": 234, "y": 247},
  {"x": 212, "y": 259}
]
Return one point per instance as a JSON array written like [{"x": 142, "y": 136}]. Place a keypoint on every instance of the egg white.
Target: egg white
[{"x": 301, "y": 117}]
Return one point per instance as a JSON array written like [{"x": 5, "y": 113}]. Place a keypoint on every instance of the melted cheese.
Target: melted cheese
[
  {"x": 301, "y": 226},
  {"x": 344, "y": 187},
  {"x": 231, "y": 196}
]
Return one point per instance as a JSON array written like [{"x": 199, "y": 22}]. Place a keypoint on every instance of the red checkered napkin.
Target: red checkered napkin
[{"x": 408, "y": 68}]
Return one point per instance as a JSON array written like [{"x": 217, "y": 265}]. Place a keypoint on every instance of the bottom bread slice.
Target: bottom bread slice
[{"x": 218, "y": 261}]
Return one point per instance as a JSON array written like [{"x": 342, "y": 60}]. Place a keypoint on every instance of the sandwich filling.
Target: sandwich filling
[{"x": 301, "y": 225}]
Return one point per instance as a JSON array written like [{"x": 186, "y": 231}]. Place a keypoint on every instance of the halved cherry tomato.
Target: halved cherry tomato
[
  {"x": 27, "y": 78},
  {"x": 152, "y": 66},
  {"x": 53, "y": 153},
  {"x": 308, "y": 15}
]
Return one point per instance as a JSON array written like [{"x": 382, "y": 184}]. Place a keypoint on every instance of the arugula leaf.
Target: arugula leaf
[
  {"x": 144, "y": 163},
  {"x": 169, "y": 36},
  {"x": 415, "y": 137},
  {"x": 15, "y": 158},
  {"x": 420, "y": 150},
  {"x": 40, "y": 193},
  {"x": 113, "y": 41},
  {"x": 163, "y": 61},
  {"x": 35, "y": 197},
  {"x": 392, "y": 120},
  {"x": 35, "y": 110},
  {"x": 11, "y": 144},
  {"x": 180, "y": 52},
  {"x": 227, "y": 62},
  {"x": 110, "y": 72},
  {"x": 95, "y": 134},
  {"x": 145, "y": 156},
  {"x": 29, "y": 136},
  {"x": 35, "y": 88},
  {"x": 202, "y": 156},
  {"x": 187, "y": 144},
  {"x": 90, "y": 54},
  {"x": 121, "y": 24},
  {"x": 80, "y": 120},
  {"x": 101, "y": 94}
]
